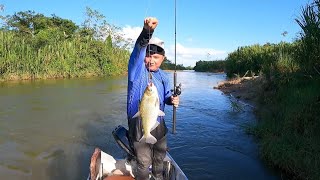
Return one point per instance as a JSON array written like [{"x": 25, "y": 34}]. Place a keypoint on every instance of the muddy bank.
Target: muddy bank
[{"x": 245, "y": 89}]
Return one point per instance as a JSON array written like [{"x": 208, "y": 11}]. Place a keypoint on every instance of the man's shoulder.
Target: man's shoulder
[{"x": 163, "y": 74}]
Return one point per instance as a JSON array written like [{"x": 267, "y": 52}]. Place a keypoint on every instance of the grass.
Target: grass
[
  {"x": 289, "y": 129},
  {"x": 77, "y": 57}
]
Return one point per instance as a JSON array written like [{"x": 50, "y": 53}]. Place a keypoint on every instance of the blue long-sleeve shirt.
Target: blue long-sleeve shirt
[{"x": 138, "y": 77}]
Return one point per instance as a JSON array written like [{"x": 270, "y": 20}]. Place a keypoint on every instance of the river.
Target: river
[{"x": 49, "y": 129}]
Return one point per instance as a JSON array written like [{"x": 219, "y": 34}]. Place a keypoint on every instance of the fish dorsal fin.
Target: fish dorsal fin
[
  {"x": 161, "y": 113},
  {"x": 136, "y": 115}
]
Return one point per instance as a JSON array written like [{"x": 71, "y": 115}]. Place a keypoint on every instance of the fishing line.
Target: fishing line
[
  {"x": 146, "y": 12},
  {"x": 149, "y": 77},
  {"x": 149, "y": 63}
]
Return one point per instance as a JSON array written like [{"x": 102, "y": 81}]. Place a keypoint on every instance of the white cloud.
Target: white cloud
[
  {"x": 131, "y": 32},
  {"x": 189, "y": 56},
  {"x": 189, "y": 39},
  {"x": 185, "y": 55}
]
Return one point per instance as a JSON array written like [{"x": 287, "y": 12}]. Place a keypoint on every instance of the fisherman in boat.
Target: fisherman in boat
[{"x": 143, "y": 68}]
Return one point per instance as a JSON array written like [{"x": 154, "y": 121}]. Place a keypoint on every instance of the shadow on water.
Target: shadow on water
[
  {"x": 93, "y": 124},
  {"x": 56, "y": 168},
  {"x": 73, "y": 164}
]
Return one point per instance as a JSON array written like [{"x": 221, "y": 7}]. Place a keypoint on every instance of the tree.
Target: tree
[
  {"x": 94, "y": 23},
  {"x": 2, "y": 18},
  {"x": 96, "y": 26},
  {"x": 30, "y": 23},
  {"x": 22, "y": 22},
  {"x": 65, "y": 25}
]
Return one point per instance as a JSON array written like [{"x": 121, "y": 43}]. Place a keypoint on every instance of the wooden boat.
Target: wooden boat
[{"x": 104, "y": 166}]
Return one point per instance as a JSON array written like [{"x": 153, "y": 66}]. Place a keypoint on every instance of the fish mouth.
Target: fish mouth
[{"x": 150, "y": 86}]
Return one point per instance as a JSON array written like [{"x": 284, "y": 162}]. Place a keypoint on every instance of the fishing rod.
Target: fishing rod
[{"x": 176, "y": 89}]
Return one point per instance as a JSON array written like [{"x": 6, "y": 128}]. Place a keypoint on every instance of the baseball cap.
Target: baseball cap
[{"x": 155, "y": 46}]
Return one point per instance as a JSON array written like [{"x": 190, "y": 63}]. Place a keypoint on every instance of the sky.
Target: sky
[{"x": 205, "y": 29}]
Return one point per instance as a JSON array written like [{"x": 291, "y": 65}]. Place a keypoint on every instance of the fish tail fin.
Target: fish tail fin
[
  {"x": 151, "y": 139},
  {"x": 148, "y": 139}
]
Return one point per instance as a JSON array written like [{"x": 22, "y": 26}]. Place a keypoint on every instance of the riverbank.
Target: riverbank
[
  {"x": 28, "y": 77},
  {"x": 288, "y": 130},
  {"x": 246, "y": 89}
]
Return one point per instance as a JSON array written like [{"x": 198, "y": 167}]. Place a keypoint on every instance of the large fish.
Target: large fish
[{"x": 149, "y": 110}]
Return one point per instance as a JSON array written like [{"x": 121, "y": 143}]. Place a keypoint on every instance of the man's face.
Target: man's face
[{"x": 153, "y": 61}]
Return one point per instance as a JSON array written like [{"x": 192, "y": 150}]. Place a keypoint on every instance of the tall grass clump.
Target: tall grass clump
[
  {"x": 309, "y": 51},
  {"x": 289, "y": 129},
  {"x": 269, "y": 59},
  {"x": 56, "y": 48},
  {"x": 77, "y": 57}
]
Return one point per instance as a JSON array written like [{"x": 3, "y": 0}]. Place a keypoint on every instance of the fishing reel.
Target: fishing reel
[{"x": 177, "y": 90}]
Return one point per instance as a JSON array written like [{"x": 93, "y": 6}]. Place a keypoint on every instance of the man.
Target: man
[{"x": 145, "y": 60}]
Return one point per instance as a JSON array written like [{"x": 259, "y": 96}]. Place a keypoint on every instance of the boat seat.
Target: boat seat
[
  {"x": 117, "y": 177},
  {"x": 120, "y": 134}
]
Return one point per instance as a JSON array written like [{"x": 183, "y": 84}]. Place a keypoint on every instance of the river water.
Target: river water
[{"x": 49, "y": 129}]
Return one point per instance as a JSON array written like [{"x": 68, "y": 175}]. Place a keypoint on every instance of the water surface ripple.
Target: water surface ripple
[{"x": 49, "y": 129}]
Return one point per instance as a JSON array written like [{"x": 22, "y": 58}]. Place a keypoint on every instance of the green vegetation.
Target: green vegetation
[
  {"x": 168, "y": 65},
  {"x": 267, "y": 59},
  {"x": 210, "y": 66},
  {"x": 289, "y": 126},
  {"x": 289, "y": 129},
  {"x": 34, "y": 46}
]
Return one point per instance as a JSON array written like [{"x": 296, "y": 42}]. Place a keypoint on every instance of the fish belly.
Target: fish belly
[{"x": 149, "y": 114}]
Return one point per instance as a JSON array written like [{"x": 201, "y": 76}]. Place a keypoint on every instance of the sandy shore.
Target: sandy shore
[{"x": 245, "y": 89}]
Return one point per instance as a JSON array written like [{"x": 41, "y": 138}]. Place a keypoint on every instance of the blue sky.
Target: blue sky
[{"x": 206, "y": 29}]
